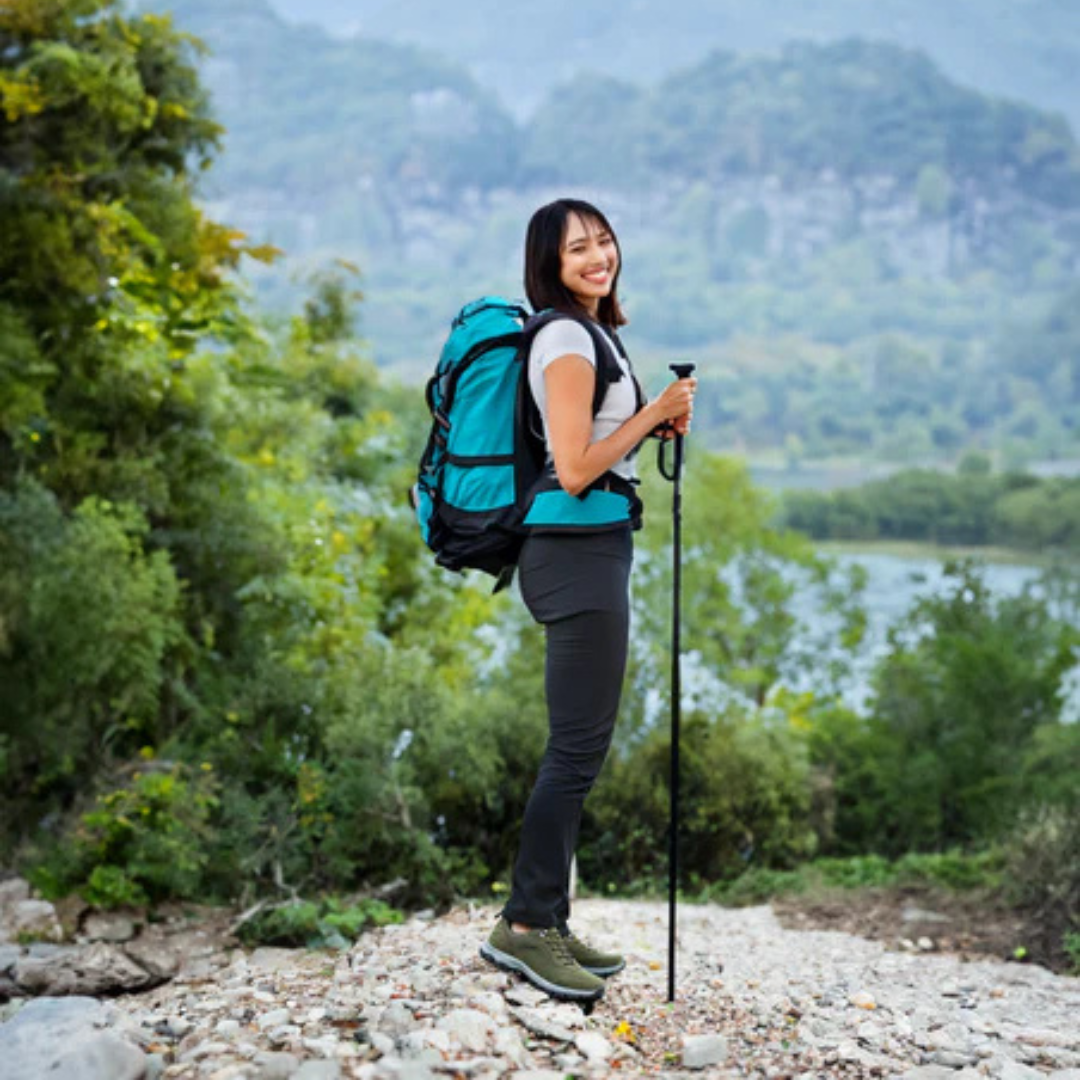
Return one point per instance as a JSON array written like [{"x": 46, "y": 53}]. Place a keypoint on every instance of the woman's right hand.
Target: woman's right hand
[{"x": 676, "y": 402}]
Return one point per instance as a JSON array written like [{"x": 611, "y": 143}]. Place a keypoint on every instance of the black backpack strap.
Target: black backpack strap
[{"x": 608, "y": 369}]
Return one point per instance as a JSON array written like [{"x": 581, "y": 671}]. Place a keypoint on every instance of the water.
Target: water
[{"x": 894, "y": 583}]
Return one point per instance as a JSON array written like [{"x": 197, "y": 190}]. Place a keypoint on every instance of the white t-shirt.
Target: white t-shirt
[{"x": 564, "y": 337}]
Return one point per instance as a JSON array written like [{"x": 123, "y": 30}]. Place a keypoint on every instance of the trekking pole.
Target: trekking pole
[{"x": 682, "y": 371}]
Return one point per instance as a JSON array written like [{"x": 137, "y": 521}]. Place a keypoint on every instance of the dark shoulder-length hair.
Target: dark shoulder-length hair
[{"x": 543, "y": 261}]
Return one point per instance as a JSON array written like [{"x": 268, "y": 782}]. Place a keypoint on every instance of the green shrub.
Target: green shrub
[
  {"x": 757, "y": 886},
  {"x": 329, "y": 923},
  {"x": 1042, "y": 877},
  {"x": 952, "y": 869},
  {"x": 144, "y": 842},
  {"x": 858, "y": 872}
]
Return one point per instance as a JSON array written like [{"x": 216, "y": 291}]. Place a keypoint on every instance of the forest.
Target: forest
[{"x": 228, "y": 668}]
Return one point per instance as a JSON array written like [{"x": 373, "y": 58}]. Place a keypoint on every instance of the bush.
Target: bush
[
  {"x": 329, "y": 923},
  {"x": 1042, "y": 877},
  {"x": 144, "y": 842}
]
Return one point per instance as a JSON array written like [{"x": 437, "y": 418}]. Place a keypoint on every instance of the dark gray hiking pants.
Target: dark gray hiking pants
[{"x": 577, "y": 587}]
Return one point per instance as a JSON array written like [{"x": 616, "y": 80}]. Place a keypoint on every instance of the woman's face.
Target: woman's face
[{"x": 589, "y": 261}]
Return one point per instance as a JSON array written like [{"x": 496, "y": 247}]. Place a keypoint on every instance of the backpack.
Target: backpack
[{"x": 484, "y": 461}]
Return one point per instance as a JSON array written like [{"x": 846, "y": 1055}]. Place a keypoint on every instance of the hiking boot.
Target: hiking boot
[
  {"x": 592, "y": 960},
  {"x": 544, "y": 958}
]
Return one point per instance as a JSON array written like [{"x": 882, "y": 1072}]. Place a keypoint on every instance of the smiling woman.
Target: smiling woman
[{"x": 575, "y": 577}]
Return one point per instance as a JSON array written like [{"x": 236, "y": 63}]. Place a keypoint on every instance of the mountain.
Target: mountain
[
  {"x": 1028, "y": 49},
  {"x": 847, "y": 238},
  {"x": 347, "y": 118}
]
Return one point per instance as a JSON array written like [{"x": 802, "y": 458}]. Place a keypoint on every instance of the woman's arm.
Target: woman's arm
[{"x": 568, "y": 386}]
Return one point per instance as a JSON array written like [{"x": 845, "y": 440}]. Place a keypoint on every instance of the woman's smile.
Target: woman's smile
[{"x": 589, "y": 261}]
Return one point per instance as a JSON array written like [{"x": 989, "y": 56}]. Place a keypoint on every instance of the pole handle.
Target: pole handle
[{"x": 682, "y": 370}]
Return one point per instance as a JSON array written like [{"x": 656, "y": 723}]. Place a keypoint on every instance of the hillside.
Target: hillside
[
  {"x": 1029, "y": 50},
  {"x": 849, "y": 219}
]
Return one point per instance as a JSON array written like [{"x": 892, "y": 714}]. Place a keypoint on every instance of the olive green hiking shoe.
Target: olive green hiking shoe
[
  {"x": 592, "y": 960},
  {"x": 544, "y": 958}
]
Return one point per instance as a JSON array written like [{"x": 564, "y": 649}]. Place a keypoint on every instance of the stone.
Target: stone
[
  {"x": 8, "y": 955},
  {"x": 274, "y": 1066},
  {"x": 33, "y": 919},
  {"x": 1013, "y": 1070},
  {"x": 159, "y": 960},
  {"x": 97, "y": 969},
  {"x": 108, "y": 926},
  {"x": 176, "y": 1027},
  {"x": 274, "y": 1018},
  {"x": 912, "y": 914},
  {"x": 702, "y": 1051},
  {"x": 540, "y": 1023},
  {"x": 469, "y": 1027},
  {"x": 594, "y": 1046},
  {"x": 269, "y": 959},
  {"x": 1044, "y": 1037},
  {"x": 13, "y": 891},
  {"x": 61, "y": 1039},
  {"x": 397, "y": 1019},
  {"x": 929, "y": 1072},
  {"x": 525, "y": 995},
  {"x": 953, "y": 1059},
  {"x": 318, "y": 1070}
]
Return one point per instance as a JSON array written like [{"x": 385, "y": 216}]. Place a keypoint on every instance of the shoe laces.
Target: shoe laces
[{"x": 558, "y": 945}]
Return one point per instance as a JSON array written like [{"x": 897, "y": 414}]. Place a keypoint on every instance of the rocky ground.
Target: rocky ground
[{"x": 755, "y": 999}]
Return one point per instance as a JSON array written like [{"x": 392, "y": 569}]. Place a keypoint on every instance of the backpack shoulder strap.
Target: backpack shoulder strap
[{"x": 607, "y": 367}]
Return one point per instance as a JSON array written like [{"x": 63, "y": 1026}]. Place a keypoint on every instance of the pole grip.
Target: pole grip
[{"x": 681, "y": 370}]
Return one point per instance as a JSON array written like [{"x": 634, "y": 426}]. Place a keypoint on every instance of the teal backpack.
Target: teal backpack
[{"x": 483, "y": 483}]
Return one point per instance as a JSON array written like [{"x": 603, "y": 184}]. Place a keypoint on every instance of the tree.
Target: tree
[{"x": 109, "y": 273}]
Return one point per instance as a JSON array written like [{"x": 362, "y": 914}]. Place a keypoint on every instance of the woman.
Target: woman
[{"x": 576, "y": 582}]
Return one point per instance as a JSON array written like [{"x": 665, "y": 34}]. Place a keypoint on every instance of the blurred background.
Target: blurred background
[{"x": 233, "y": 234}]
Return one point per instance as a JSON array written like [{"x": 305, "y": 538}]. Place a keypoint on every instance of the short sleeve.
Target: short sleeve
[{"x": 563, "y": 337}]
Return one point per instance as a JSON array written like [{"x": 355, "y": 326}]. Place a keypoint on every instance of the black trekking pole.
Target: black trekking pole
[{"x": 682, "y": 371}]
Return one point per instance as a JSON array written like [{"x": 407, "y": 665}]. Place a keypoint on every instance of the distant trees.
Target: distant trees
[{"x": 972, "y": 507}]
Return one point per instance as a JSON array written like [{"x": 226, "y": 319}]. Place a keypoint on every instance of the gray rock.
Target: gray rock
[
  {"x": 470, "y": 1027},
  {"x": 701, "y": 1051},
  {"x": 1046, "y": 1037},
  {"x": 930, "y": 1072},
  {"x": 594, "y": 1046},
  {"x": 272, "y": 1066},
  {"x": 1013, "y": 1070},
  {"x": 269, "y": 959},
  {"x": 108, "y": 926},
  {"x": 396, "y": 1020},
  {"x": 61, "y": 1039},
  {"x": 8, "y": 955},
  {"x": 13, "y": 891},
  {"x": 525, "y": 995},
  {"x": 1065, "y": 1074},
  {"x": 160, "y": 961},
  {"x": 318, "y": 1070},
  {"x": 539, "y": 1023},
  {"x": 952, "y": 1059},
  {"x": 95, "y": 970},
  {"x": 912, "y": 914},
  {"x": 175, "y": 1027},
  {"x": 274, "y": 1018},
  {"x": 34, "y": 918}
]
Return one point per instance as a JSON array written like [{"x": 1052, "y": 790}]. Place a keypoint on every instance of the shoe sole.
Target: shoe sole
[
  {"x": 512, "y": 963},
  {"x": 605, "y": 973}
]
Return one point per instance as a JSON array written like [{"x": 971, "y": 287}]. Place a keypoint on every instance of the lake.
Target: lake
[{"x": 894, "y": 582}]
